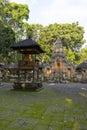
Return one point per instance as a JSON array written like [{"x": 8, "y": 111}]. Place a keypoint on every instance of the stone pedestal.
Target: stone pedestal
[{"x": 27, "y": 86}]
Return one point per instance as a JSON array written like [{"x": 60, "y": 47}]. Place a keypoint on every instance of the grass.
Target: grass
[{"x": 46, "y": 109}]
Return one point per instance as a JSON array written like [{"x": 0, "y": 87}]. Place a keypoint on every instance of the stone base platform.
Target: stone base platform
[{"x": 27, "y": 85}]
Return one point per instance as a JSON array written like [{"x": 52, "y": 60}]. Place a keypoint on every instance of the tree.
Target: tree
[
  {"x": 72, "y": 36},
  {"x": 46, "y": 40},
  {"x": 70, "y": 55},
  {"x": 16, "y": 14},
  {"x": 83, "y": 54},
  {"x": 3, "y": 4},
  {"x": 7, "y": 37},
  {"x": 34, "y": 31},
  {"x": 12, "y": 18}
]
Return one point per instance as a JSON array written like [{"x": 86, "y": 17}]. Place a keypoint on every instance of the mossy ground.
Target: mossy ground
[{"x": 55, "y": 107}]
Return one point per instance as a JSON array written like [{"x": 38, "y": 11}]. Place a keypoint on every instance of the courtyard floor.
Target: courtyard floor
[{"x": 55, "y": 107}]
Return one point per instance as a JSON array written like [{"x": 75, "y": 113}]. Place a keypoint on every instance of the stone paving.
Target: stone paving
[{"x": 55, "y": 107}]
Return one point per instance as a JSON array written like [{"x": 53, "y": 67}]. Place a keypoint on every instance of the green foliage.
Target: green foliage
[
  {"x": 3, "y": 4},
  {"x": 13, "y": 15},
  {"x": 32, "y": 30},
  {"x": 72, "y": 36},
  {"x": 16, "y": 14},
  {"x": 6, "y": 32},
  {"x": 7, "y": 37},
  {"x": 83, "y": 54},
  {"x": 28, "y": 30},
  {"x": 35, "y": 31},
  {"x": 46, "y": 40},
  {"x": 71, "y": 56}
]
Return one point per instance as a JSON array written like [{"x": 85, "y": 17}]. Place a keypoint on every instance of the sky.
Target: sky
[{"x": 47, "y": 12}]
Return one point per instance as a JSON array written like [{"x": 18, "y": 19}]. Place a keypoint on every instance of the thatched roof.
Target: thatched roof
[
  {"x": 28, "y": 46},
  {"x": 82, "y": 65}
]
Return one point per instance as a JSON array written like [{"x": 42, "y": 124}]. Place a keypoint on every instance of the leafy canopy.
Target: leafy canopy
[{"x": 13, "y": 19}]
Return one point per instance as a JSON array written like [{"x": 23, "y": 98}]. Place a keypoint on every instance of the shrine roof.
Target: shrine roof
[
  {"x": 82, "y": 65},
  {"x": 28, "y": 46}
]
